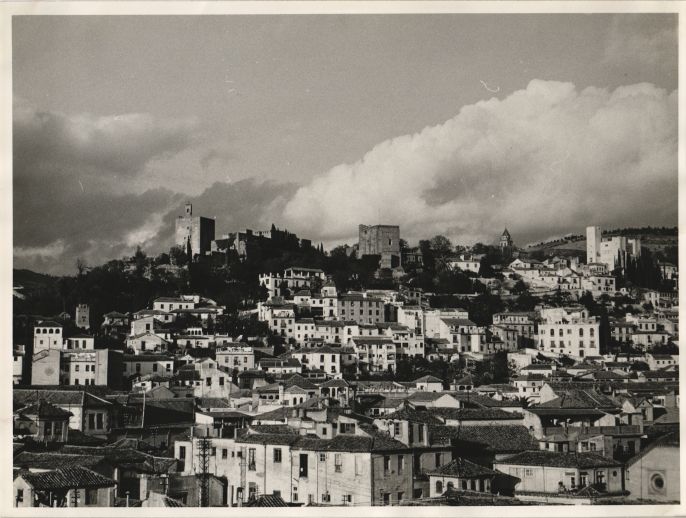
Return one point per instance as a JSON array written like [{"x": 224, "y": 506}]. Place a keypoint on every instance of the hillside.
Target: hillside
[{"x": 31, "y": 281}]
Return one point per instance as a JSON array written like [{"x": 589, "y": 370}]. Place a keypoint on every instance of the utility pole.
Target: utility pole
[{"x": 204, "y": 450}]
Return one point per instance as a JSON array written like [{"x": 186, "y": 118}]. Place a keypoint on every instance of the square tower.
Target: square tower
[{"x": 593, "y": 238}]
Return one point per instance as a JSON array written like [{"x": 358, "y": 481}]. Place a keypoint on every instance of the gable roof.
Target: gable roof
[
  {"x": 496, "y": 438},
  {"x": 463, "y": 468},
  {"x": 43, "y": 409},
  {"x": 67, "y": 478},
  {"x": 560, "y": 460},
  {"x": 55, "y": 460},
  {"x": 669, "y": 440}
]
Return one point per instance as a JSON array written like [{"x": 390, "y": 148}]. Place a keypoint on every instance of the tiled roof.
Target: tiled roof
[
  {"x": 421, "y": 396},
  {"x": 273, "y": 428},
  {"x": 67, "y": 478},
  {"x": 43, "y": 409},
  {"x": 147, "y": 357},
  {"x": 415, "y": 416},
  {"x": 55, "y": 460},
  {"x": 464, "y": 469},
  {"x": 458, "y": 321},
  {"x": 580, "y": 399},
  {"x": 48, "y": 323},
  {"x": 266, "y": 501},
  {"x": 554, "y": 459},
  {"x": 475, "y": 414},
  {"x": 301, "y": 382},
  {"x": 496, "y": 438},
  {"x": 337, "y": 383}
]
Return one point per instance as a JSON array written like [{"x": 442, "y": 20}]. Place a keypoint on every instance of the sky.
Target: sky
[{"x": 459, "y": 125}]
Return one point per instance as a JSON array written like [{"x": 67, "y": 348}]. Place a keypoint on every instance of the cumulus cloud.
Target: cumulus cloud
[{"x": 545, "y": 159}]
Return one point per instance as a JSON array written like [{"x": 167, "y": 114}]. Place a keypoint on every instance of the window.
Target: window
[
  {"x": 386, "y": 464},
  {"x": 400, "y": 496},
  {"x": 358, "y": 465},
  {"x": 386, "y": 498},
  {"x": 303, "y": 465},
  {"x": 138, "y": 367},
  {"x": 657, "y": 483},
  {"x": 214, "y": 452},
  {"x": 277, "y": 455},
  {"x": 91, "y": 421},
  {"x": 401, "y": 464},
  {"x": 322, "y": 457},
  {"x": 92, "y": 496},
  {"x": 99, "y": 421},
  {"x": 154, "y": 367},
  {"x": 396, "y": 428},
  {"x": 528, "y": 472},
  {"x": 76, "y": 367},
  {"x": 221, "y": 381},
  {"x": 251, "y": 459},
  {"x": 20, "y": 495},
  {"x": 439, "y": 487},
  {"x": 225, "y": 453},
  {"x": 338, "y": 463},
  {"x": 182, "y": 452}
]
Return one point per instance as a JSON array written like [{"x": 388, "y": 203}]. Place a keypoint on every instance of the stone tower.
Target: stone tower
[{"x": 83, "y": 316}]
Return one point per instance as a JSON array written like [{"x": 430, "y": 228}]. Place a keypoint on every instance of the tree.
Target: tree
[
  {"x": 442, "y": 249},
  {"x": 177, "y": 256}
]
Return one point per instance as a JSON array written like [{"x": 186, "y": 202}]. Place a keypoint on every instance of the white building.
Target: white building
[
  {"x": 47, "y": 335},
  {"x": 569, "y": 331},
  {"x": 611, "y": 251}
]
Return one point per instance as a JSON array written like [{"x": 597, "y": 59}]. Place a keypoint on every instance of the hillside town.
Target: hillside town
[{"x": 549, "y": 380}]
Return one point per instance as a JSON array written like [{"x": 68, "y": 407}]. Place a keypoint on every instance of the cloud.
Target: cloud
[
  {"x": 102, "y": 151},
  {"x": 53, "y": 249},
  {"x": 73, "y": 183},
  {"x": 545, "y": 159}
]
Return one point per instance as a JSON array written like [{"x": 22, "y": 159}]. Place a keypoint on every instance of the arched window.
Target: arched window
[
  {"x": 450, "y": 486},
  {"x": 439, "y": 487}
]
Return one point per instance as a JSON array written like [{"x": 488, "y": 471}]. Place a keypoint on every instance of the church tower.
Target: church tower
[{"x": 506, "y": 242}]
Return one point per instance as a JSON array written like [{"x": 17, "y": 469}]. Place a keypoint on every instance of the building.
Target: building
[
  {"x": 569, "y": 331},
  {"x": 611, "y": 251},
  {"x": 653, "y": 474},
  {"x": 506, "y": 242},
  {"x": 83, "y": 316},
  {"x": 293, "y": 279},
  {"x": 466, "y": 263},
  {"x": 68, "y": 487},
  {"x": 236, "y": 356},
  {"x": 554, "y": 477},
  {"x": 382, "y": 240},
  {"x": 361, "y": 308},
  {"x": 196, "y": 230},
  {"x": 461, "y": 475},
  {"x": 48, "y": 423},
  {"x": 326, "y": 358},
  {"x": 47, "y": 335}
]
